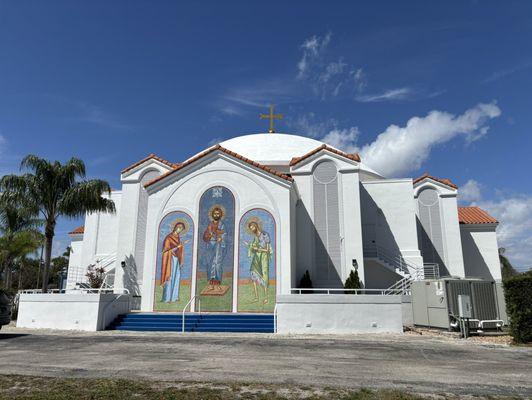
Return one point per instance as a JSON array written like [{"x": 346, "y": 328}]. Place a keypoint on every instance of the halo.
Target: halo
[
  {"x": 217, "y": 206},
  {"x": 184, "y": 222},
  {"x": 257, "y": 220}
]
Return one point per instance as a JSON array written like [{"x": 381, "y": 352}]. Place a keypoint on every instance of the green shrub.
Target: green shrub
[
  {"x": 518, "y": 295},
  {"x": 352, "y": 282},
  {"x": 305, "y": 282}
]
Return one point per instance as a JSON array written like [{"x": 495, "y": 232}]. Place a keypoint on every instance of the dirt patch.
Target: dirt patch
[{"x": 19, "y": 387}]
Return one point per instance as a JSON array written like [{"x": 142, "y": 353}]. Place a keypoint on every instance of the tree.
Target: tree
[
  {"x": 54, "y": 190},
  {"x": 352, "y": 282},
  {"x": 20, "y": 235},
  {"x": 507, "y": 270}
]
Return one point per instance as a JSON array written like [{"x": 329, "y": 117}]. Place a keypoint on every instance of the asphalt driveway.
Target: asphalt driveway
[{"x": 413, "y": 363}]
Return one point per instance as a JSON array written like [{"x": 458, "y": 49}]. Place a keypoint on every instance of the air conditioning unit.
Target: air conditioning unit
[{"x": 436, "y": 303}]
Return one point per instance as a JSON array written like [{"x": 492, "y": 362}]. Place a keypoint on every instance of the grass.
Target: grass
[
  {"x": 184, "y": 297},
  {"x": 246, "y": 296},
  {"x": 217, "y": 303},
  {"x": 16, "y": 387}
]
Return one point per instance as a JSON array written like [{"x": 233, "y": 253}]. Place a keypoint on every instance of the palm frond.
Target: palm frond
[{"x": 86, "y": 196}]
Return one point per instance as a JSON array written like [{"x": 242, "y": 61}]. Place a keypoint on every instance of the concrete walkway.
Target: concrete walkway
[{"x": 413, "y": 363}]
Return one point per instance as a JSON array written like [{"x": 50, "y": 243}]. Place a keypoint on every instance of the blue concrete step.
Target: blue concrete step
[{"x": 194, "y": 322}]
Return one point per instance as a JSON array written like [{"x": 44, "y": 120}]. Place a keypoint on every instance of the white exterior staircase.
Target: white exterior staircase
[{"x": 395, "y": 262}]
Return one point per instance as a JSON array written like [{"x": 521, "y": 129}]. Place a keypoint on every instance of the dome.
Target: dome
[
  {"x": 271, "y": 148},
  {"x": 278, "y": 149}
]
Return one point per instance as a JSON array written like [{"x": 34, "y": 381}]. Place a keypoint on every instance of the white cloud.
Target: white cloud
[
  {"x": 308, "y": 125},
  {"x": 359, "y": 79},
  {"x": 389, "y": 95},
  {"x": 508, "y": 71},
  {"x": 343, "y": 139},
  {"x": 312, "y": 48},
  {"x": 259, "y": 94},
  {"x": 232, "y": 111},
  {"x": 470, "y": 191},
  {"x": 332, "y": 69},
  {"x": 399, "y": 150}
]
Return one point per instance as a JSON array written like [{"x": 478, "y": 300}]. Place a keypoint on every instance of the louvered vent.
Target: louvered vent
[
  {"x": 327, "y": 221},
  {"x": 432, "y": 238},
  {"x": 140, "y": 236}
]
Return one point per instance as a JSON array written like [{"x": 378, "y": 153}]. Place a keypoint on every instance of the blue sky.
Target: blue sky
[{"x": 447, "y": 84}]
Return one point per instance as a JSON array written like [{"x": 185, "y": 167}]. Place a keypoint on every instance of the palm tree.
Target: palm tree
[
  {"x": 20, "y": 236},
  {"x": 55, "y": 190}
]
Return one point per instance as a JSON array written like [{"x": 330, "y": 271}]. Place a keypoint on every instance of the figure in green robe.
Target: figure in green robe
[{"x": 260, "y": 253}]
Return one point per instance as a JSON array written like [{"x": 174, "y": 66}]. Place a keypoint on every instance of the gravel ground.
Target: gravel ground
[{"x": 411, "y": 362}]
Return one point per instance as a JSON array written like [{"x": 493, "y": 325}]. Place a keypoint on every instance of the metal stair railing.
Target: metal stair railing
[
  {"x": 108, "y": 280},
  {"x": 183, "y": 315},
  {"x": 396, "y": 261},
  {"x": 411, "y": 272},
  {"x": 78, "y": 276}
]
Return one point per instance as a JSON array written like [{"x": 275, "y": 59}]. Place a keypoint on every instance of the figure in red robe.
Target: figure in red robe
[{"x": 172, "y": 262}]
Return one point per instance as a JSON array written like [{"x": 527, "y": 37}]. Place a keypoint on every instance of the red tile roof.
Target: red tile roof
[
  {"x": 441, "y": 180},
  {"x": 353, "y": 157},
  {"x": 474, "y": 215},
  {"x": 149, "y": 157},
  {"x": 78, "y": 231},
  {"x": 226, "y": 151}
]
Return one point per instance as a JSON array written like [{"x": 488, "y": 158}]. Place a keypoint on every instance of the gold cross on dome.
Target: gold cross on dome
[{"x": 271, "y": 116}]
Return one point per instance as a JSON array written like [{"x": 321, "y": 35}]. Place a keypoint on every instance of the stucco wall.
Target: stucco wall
[
  {"x": 452, "y": 258},
  {"x": 480, "y": 250},
  {"x": 128, "y": 277},
  {"x": 251, "y": 188},
  {"x": 349, "y": 213},
  {"x": 84, "y": 312},
  {"x": 338, "y": 314},
  {"x": 101, "y": 231},
  {"x": 453, "y": 245},
  {"x": 75, "y": 266},
  {"x": 389, "y": 217}
]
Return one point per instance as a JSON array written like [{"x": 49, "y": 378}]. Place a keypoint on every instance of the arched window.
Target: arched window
[
  {"x": 327, "y": 221},
  {"x": 430, "y": 232}
]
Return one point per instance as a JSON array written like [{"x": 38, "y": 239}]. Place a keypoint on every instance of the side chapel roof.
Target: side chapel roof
[
  {"x": 353, "y": 157},
  {"x": 226, "y": 151},
  {"x": 474, "y": 215},
  {"x": 444, "y": 181}
]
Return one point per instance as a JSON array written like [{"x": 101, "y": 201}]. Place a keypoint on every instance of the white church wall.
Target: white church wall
[
  {"x": 453, "y": 243},
  {"x": 351, "y": 223},
  {"x": 108, "y": 229},
  {"x": 378, "y": 276},
  {"x": 132, "y": 188},
  {"x": 350, "y": 232},
  {"x": 251, "y": 188},
  {"x": 451, "y": 247},
  {"x": 339, "y": 314},
  {"x": 389, "y": 217},
  {"x": 76, "y": 269},
  {"x": 480, "y": 249},
  {"x": 100, "y": 233},
  {"x": 304, "y": 228},
  {"x": 83, "y": 312}
]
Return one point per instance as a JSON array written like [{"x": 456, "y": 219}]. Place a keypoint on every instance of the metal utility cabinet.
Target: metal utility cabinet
[{"x": 435, "y": 302}]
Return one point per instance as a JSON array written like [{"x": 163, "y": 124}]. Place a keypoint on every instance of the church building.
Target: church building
[{"x": 235, "y": 227}]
